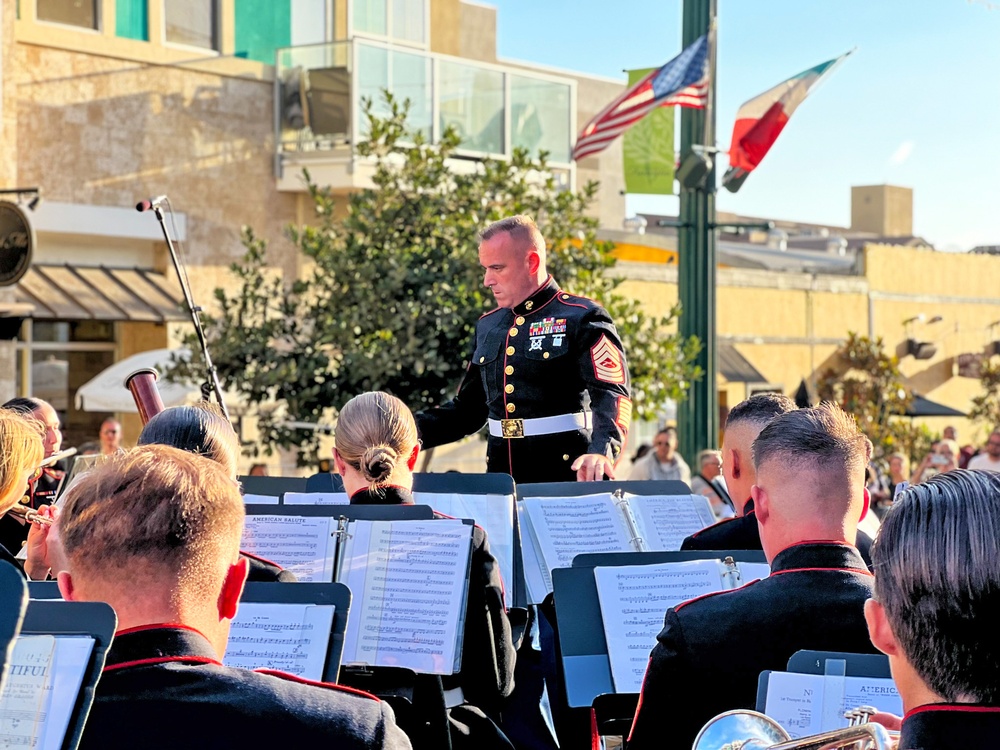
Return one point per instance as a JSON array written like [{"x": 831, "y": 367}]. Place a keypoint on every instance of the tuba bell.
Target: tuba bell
[{"x": 749, "y": 730}]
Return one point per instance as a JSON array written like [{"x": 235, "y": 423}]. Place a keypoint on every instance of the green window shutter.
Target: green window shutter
[
  {"x": 261, "y": 27},
  {"x": 132, "y": 19}
]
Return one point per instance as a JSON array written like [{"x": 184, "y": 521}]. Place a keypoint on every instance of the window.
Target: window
[
  {"x": 82, "y": 13},
  {"x": 408, "y": 21},
  {"x": 369, "y": 17},
  {"x": 540, "y": 116},
  {"x": 471, "y": 101},
  {"x": 406, "y": 75},
  {"x": 132, "y": 19},
  {"x": 261, "y": 27},
  {"x": 193, "y": 23},
  {"x": 400, "y": 20}
]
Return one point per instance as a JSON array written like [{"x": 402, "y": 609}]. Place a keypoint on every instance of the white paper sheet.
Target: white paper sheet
[
  {"x": 537, "y": 581},
  {"x": 317, "y": 498},
  {"x": 665, "y": 520},
  {"x": 409, "y": 584},
  {"x": 303, "y": 545},
  {"x": 634, "y": 601},
  {"x": 69, "y": 667},
  {"x": 251, "y": 499},
  {"x": 292, "y": 638}
]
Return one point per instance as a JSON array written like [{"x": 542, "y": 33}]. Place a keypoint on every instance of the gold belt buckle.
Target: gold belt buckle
[{"x": 512, "y": 428}]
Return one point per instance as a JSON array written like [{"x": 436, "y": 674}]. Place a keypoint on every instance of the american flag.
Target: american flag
[{"x": 683, "y": 82}]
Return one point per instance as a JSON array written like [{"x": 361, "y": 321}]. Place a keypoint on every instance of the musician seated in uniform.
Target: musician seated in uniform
[
  {"x": 203, "y": 429},
  {"x": 376, "y": 450},
  {"x": 743, "y": 425},
  {"x": 44, "y": 484},
  {"x": 809, "y": 496},
  {"x": 155, "y": 533},
  {"x": 21, "y": 451},
  {"x": 936, "y": 583}
]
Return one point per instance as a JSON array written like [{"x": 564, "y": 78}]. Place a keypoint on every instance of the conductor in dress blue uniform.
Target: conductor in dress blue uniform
[
  {"x": 809, "y": 496},
  {"x": 537, "y": 357},
  {"x": 937, "y": 589},
  {"x": 155, "y": 533}
]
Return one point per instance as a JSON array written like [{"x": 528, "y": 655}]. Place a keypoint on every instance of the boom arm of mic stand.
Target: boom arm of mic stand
[{"x": 213, "y": 375}]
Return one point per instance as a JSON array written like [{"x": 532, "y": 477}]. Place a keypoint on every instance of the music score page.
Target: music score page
[
  {"x": 291, "y": 638},
  {"x": 303, "y": 545}
]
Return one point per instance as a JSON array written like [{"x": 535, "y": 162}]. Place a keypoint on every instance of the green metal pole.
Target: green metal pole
[{"x": 698, "y": 415}]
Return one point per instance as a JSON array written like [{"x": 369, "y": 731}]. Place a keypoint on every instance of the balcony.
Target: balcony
[{"x": 495, "y": 109}]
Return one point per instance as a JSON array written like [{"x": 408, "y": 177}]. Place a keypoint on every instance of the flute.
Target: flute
[
  {"x": 56, "y": 457},
  {"x": 30, "y": 515}
]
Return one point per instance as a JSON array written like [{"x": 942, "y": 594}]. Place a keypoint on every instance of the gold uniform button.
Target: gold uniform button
[
  {"x": 482, "y": 359},
  {"x": 528, "y": 305},
  {"x": 545, "y": 355},
  {"x": 509, "y": 370},
  {"x": 512, "y": 332},
  {"x": 510, "y": 408},
  {"x": 519, "y": 320},
  {"x": 508, "y": 388},
  {"x": 565, "y": 457},
  {"x": 510, "y": 350}
]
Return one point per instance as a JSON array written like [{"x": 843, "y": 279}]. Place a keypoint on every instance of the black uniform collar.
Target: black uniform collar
[
  {"x": 6, "y": 556},
  {"x": 543, "y": 296},
  {"x": 944, "y": 726},
  {"x": 387, "y": 495},
  {"x": 818, "y": 555},
  {"x": 159, "y": 643}
]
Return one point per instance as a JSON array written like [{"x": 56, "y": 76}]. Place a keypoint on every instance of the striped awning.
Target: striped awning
[{"x": 75, "y": 292}]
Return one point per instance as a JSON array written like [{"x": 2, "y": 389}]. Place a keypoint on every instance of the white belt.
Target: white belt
[
  {"x": 454, "y": 697},
  {"x": 518, "y": 428}
]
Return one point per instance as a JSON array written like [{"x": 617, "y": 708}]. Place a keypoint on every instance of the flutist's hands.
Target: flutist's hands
[
  {"x": 38, "y": 561},
  {"x": 592, "y": 467}
]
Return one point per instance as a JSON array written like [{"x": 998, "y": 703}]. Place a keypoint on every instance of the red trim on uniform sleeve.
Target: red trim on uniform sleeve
[
  {"x": 162, "y": 660},
  {"x": 328, "y": 685},
  {"x": 638, "y": 706},
  {"x": 972, "y": 708},
  {"x": 595, "y": 736},
  {"x": 159, "y": 626}
]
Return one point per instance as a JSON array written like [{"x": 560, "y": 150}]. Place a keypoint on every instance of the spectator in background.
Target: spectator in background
[
  {"x": 990, "y": 460},
  {"x": 258, "y": 470},
  {"x": 942, "y": 458},
  {"x": 111, "y": 436},
  {"x": 663, "y": 462},
  {"x": 704, "y": 482},
  {"x": 950, "y": 433}
]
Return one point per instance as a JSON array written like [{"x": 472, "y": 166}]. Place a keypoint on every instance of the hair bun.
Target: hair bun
[{"x": 378, "y": 462}]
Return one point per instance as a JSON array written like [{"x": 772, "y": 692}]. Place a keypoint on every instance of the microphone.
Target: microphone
[{"x": 151, "y": 203}]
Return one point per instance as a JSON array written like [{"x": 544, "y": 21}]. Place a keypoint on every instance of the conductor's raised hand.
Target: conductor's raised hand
[{"x": 593, "y": 467}]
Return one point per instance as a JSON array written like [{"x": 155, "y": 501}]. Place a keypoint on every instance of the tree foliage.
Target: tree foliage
[
  {"x": 986, "y": 405},
  {"x": 866, "y": 382},
  {"x": 395, "y": 287}
]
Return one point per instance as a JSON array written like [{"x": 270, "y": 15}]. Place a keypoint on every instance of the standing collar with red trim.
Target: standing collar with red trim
[
  {"x": 818, "y": 555},
  {"x": 162, "y": 642},
  {"x": 390, "y": 494},
  {"x": 543, "y": 296}
]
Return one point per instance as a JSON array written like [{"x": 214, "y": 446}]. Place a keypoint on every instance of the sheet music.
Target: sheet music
[
  {"x": 665, "y": 520},
  {"x": 634, "y": 600},
  {"x": 409, "y": 580},
  {"x": 251, "y": 499},
  {"x": 292, "y": 638},
  {"x": 807, "y": 704},
  {"x": 565, "y": 527},
  {"x": 22, "y": 700},
  {"x": 69, "y": 668},
  {"x": 752, "y": 571},
  {"x": 317, "y": 498},
  {"x": 495, "y": 513},
  {"x": 537, "y": 582},
  {"x": 303, "y": 545}
]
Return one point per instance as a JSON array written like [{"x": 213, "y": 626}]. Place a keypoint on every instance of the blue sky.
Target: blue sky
[{"x": 917, "y": 105}]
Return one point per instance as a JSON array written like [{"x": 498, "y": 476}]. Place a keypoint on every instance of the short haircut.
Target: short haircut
[
  {"x": 21, "y": 448},
  {"x": 824, "y": 437},
  {"x": 522, "y": 230},
  {"x": 23, "y": 405},
  {"x": 201, "y": 429},
  {"x": 760, "y": 409},
  {"x": 375, "y": 434},
  {"x": 154, "y": 508},
  {"x": 937, "y": 578}
]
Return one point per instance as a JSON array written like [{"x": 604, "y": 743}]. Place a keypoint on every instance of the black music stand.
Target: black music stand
[
  {"x": 583, "y": 648},
  {"x": 13, "y": 601},
  {"x": 575, "y": 489},
  {"x": 96, "y": 620},
  {"x": 272, "y": 486},
  {"x": 351, "y": 512},
  {"x": 336, "y": 594}
]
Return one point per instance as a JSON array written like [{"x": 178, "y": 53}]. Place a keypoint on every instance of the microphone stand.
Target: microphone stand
[{"x": 212, "y": 384}]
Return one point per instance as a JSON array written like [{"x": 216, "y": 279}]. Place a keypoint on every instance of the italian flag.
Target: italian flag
[{"x": 760, "y": 121}]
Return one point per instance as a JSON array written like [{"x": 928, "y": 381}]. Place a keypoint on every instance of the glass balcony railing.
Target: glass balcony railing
[{"x": 493, "y": 108}]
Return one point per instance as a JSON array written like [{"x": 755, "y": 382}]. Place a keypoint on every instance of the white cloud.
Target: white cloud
[{"x": 901, "y": 154}]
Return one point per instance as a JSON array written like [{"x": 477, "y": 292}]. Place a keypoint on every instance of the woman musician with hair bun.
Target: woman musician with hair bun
[{"x": 376, "y": 450}]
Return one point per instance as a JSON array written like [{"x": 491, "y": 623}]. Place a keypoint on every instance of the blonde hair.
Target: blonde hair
[
  {"x": 375, "y": 434},
  {"x": 154, "y": 508},
  {"x": 21, "y": 448}
]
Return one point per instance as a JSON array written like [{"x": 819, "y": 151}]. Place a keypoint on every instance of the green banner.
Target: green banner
[{"x": 648, "y": 149}]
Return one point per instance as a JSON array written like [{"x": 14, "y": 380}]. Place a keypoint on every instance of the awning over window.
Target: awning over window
[
  {"x": 72, "y": 292},
  {"x": 736, "y": 368}
]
